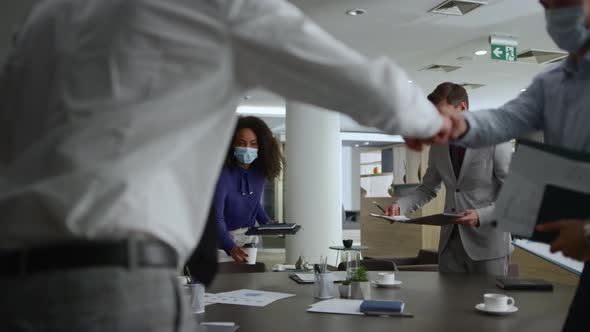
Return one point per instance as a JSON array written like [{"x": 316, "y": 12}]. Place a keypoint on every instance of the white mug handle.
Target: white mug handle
[{"x": 510, "y": 301}]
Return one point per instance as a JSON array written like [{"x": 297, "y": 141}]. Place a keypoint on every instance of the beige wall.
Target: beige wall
[
  {"x": 532, "y": 266},
  {"x": 385, "y": 239}
]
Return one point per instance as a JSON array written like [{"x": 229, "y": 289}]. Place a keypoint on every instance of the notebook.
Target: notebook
[
  {"x": 524, "y": 284},
  {"x": 382, "y": 307}
]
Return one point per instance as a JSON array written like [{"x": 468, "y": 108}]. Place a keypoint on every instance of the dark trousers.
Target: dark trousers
[
  {"x": 578, "y": 318},
  {"x": 203, "y": 261}
]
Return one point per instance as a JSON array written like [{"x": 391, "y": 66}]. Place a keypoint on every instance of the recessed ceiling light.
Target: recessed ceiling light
[
  {"x": 522, "y": 90},
  {"x": 366, "y": 143},
  {"x": 356, "y": 12},
  {"x": 410, "y": 81},
  {"x": 480, "y": 52},
  {"x": 356, "y": 145}
]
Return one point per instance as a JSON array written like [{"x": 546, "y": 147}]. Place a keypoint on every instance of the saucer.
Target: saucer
[
  {"x": 396, "y": 283},
  {"x": 278, "y": 268},
  {"x": 481, "y": 307}
]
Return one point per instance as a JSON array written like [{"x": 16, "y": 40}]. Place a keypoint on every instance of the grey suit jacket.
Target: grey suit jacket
[{"x": 481, "y": 176}]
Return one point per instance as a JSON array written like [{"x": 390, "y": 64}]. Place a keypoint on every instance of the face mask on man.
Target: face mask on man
[
  {"x": 245, "y": 155},
  {"x": 567, "y": 28}
]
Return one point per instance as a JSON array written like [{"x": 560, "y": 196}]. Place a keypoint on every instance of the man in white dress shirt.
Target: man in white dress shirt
[{"x": 114, "y": 115}]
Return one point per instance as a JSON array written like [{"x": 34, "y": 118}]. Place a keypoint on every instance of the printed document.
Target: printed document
[{"x": 544, "y": 184}]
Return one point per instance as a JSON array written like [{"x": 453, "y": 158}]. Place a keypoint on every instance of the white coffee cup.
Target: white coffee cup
[
  {"x": 497, "y": 302},
  {"x": 386, "y": 278},
  {"x": 251, "y": 251}
]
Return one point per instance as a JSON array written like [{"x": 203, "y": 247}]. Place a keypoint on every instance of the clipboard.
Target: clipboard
[
  {"x": 256, "y": 231},
  {"x": 440, "y": 219},
  {"x": 560, "y": 203},
  {"x": 534, "y": 195}
]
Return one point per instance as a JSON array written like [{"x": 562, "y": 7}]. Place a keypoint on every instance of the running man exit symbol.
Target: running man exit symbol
[{"x": 504, "y": 53}]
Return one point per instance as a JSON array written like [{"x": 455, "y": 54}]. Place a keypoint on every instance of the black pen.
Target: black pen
[
  {"x": 379, "y": 206},
  {"x": 390, "y": 314}
]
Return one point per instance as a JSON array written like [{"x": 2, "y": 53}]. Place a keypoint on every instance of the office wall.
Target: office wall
[{"x": 351, "y": 187}]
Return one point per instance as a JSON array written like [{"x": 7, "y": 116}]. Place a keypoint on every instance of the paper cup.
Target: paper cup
[{"x": 252, "y": 252}]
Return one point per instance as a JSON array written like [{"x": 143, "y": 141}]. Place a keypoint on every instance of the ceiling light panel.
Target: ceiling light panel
[
  {"x": 457, "y": 8},
  {"x": 440, "y": 68}
]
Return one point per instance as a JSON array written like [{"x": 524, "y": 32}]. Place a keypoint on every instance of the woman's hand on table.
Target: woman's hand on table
[{"x": 239, "y": 255}]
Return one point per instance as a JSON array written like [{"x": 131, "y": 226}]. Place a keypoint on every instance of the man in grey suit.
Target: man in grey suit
[{"x": 472, "y": 177}]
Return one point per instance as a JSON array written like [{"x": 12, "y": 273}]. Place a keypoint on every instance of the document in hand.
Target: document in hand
[
  {"x": 545, "y": 183},
  {"x": 435, "y": 219}
]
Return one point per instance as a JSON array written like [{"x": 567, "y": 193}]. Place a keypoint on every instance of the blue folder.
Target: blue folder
[{"x": 375, "y": 306}]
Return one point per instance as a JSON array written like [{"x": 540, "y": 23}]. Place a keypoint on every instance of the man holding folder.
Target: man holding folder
[
  {"x": 472, "y": 178},
  {"x": 556, "y": 102}
]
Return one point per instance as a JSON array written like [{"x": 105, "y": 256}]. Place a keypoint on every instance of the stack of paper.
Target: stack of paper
[
  {"x": 219, "y": 326},
  {"x": 246, "y": 297},
  {"x": 337, "y": 306}
]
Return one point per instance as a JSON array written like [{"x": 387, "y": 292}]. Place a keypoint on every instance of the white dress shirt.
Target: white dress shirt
[{"x": 115, "y": 114}]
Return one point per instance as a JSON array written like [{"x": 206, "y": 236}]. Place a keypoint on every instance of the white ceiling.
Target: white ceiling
[{"x": 405, "y": 31}]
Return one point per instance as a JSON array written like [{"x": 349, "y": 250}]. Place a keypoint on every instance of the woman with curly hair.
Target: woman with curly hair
[{"x": 253, "y": 157}]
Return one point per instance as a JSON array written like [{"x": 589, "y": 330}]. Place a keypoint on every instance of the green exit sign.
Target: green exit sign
[{"x": 504, "y": 53}]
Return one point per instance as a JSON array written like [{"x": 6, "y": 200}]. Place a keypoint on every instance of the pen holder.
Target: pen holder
[{"x": 324, "y": 285}]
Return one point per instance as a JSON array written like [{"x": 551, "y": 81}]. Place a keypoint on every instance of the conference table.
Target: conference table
[{"x": 439, "y": 302}]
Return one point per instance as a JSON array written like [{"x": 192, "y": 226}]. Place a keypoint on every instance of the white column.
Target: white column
[
  {"x": 355, "y": 178},
  {"x": 313, "y": 182},
  {"x": 351, "y": 178},
  {"x": 346, "y": 177}
]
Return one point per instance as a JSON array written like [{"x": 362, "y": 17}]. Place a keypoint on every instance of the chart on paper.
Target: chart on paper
[{"x": 247, "y": 297}]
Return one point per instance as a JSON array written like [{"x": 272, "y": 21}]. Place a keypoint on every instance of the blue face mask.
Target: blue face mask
[
  {"x": 566, "y": 27},
  {"x": 245, "y": 155}
]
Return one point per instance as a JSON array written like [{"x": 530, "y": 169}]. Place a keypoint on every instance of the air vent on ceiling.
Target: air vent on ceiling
[
  {"x": 540, "y": 57},
  {"x": 440, "y": 68},
  {"x": 451, "y": 7},
  {"x": 472, "y": 86}
]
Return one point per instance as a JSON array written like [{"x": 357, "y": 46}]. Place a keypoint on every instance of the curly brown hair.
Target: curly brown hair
[{"x": 270, "y": 160}]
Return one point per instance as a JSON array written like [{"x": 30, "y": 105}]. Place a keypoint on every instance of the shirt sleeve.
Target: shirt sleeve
[
  {"x": 261, "y": 215},
  {"x": 522, "y": 115},
  {"x": 502, "y": 156},
  {"x": 225, "y": 241},
  {"x": 425, "y": 192},
  {"x": 280, "y": 49}
]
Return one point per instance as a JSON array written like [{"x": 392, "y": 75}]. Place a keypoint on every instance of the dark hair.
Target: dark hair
[
  {"x": 452, "y": 93},
  {"x": 269, "y": 159}
]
